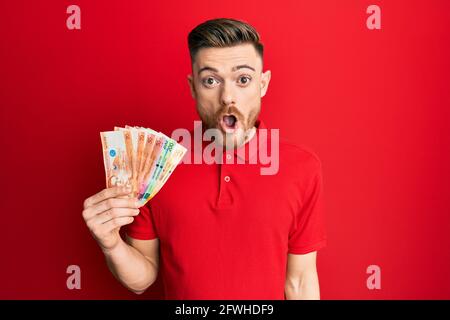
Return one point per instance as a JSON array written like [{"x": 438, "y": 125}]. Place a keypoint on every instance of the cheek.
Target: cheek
[
  {"x": 206, "y": 93},
  {"x": 206, "y": 102},
  {"x": 207, "y": 97},
  {"x": 249, "y": 98}
]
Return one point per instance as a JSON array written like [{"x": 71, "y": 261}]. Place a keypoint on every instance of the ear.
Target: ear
[
  {"x": 191, "y": 86},
  {"x": 265, "y": 79}
]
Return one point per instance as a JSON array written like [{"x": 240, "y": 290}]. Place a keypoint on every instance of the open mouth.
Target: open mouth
[{"x": 229, "y": 123}]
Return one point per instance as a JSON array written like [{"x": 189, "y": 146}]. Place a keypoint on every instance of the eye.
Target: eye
[
  {"x": 210, "y": 82},
  {"x": 244, "y": 80}
]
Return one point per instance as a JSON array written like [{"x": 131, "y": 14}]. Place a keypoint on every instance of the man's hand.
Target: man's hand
[
  {"x": 107, "y": 211},
  {"x": 104, "y": 213}
]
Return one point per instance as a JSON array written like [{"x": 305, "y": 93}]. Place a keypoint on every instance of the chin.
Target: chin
[{"x": 233, "y": 140}]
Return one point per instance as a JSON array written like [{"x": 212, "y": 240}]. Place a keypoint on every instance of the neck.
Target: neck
[{"x": 249, "y": 134}]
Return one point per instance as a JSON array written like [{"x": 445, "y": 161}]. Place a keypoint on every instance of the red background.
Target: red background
[{"x": 373, "y": 104}]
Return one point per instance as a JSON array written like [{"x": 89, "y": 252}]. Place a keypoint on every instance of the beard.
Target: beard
[{"x": 232, "y": 127}]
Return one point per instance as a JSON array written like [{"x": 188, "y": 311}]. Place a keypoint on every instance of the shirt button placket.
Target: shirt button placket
[{"x": 225, "y": 197}]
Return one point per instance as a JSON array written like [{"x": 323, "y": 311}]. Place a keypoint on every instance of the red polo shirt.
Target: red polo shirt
[{"x": 225, "y": 230}]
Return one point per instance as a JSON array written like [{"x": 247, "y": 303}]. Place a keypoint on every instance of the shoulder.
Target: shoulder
[{"x": 300, "y": 157}]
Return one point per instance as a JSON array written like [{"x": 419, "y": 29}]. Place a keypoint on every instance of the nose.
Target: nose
[{"x": 227, "y": 96}]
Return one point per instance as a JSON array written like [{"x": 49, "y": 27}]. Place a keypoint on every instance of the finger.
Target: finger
[
  {"x": 114, "y": 213},
  {"x": 107, "y": 193},
  {"x": 107, "y": 204},
  {"x": 116, "y": 223}
]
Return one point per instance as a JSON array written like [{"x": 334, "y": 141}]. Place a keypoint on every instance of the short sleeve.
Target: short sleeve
[
  {"x": 143, "y": 226},
  {"x": 308, "y": 232}
]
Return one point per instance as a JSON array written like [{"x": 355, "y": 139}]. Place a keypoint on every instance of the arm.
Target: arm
[
  {"x": 135, "y": 264},
  {"x": 302, "y": 282}
]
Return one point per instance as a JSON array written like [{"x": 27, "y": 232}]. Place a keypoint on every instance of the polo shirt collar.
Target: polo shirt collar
[
  {"x": 244, "y": 152},
  {"x": 245, "y": 149}
]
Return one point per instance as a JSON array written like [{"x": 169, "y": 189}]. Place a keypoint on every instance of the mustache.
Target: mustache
[{"x": 230, "y": 110}]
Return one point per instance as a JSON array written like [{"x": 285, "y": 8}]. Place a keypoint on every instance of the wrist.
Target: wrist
[{"x": 115, "y": 250}]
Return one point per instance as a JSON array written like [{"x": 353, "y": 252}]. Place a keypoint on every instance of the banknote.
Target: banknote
[
  {"x": 151, "y": 153},
  {"x": 132, "y": 156},
  {"x": 167, "y": 147},
  {"x": 177, "y": 155},
  {"x": 116, "y": 159},
  {"x": 141, "y": 158}
]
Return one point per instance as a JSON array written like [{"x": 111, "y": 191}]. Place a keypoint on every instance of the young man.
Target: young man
[{"x": 224, "y": 231}]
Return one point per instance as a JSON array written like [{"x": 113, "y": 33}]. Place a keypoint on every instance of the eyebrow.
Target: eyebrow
[{"x": 241, "y": 66}]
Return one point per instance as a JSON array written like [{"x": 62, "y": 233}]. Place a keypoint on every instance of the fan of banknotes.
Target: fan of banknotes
[{"x": 139, "y": 158}]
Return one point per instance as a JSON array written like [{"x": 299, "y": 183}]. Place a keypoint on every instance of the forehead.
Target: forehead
[{"x": 224, "y": 59}]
